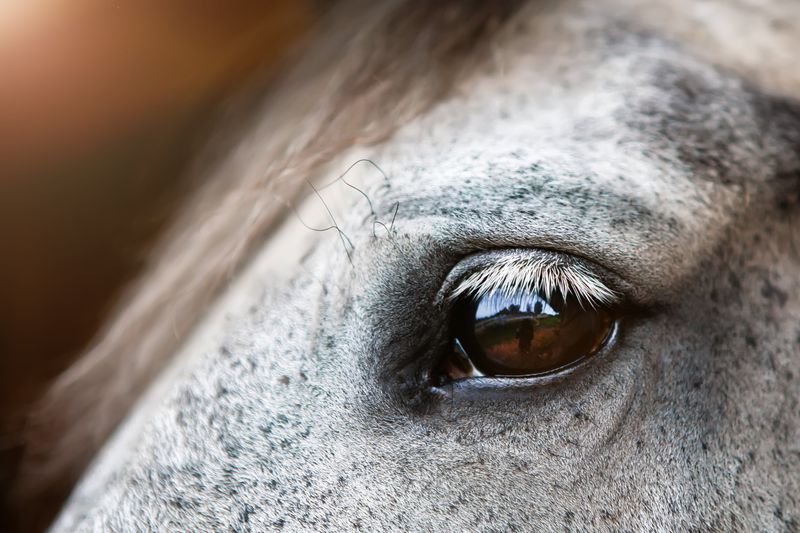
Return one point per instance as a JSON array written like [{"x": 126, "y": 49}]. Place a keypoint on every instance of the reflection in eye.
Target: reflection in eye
[{"x": 522, "y": 333}]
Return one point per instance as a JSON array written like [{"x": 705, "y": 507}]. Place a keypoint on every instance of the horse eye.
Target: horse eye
[{"x": 522, "y": 334}]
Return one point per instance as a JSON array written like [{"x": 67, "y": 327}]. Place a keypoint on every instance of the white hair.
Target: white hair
[{"x": 511, "y": 275}]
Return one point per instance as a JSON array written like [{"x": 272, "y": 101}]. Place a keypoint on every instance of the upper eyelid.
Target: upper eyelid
[{"x": 530, "y": 269}]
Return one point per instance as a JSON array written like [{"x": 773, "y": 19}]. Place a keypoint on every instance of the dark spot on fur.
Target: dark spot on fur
[
  {"x": 605, "y": 514},
  {"x": 771, "y": 292},
  {"x": 244, "y": 515},
  {"x": 183, "y": 504},
  {"x": 791, "y": 199},
  {"x": 232, "y": 448}
]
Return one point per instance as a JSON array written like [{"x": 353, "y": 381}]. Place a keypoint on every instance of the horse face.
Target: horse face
[{"x": 325, "y": 405}]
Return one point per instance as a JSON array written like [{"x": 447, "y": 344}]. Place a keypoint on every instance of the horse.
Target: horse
[{"x": 482, "y": 266}]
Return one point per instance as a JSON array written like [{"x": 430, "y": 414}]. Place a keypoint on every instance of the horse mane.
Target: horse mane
[{"x": 369, "y": 68}]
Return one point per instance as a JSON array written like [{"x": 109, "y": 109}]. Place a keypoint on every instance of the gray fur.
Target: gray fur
[{"x": 587, "y": 136}]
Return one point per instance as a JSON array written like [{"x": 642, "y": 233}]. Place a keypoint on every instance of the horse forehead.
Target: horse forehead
[
  {"x": 754, "y": 39},
  {"x": 587, "y": 104},
  {"x": 591, "y": 119}
]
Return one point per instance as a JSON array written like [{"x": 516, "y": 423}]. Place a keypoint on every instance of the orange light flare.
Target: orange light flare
[{"x": 76, "y": 72}]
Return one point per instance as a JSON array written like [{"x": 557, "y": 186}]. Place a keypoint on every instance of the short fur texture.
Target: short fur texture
[{"x": 590, "y": 133}]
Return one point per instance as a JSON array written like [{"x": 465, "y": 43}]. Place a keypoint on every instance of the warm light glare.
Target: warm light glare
[
  {"x": 77, "y": 72},
  {"x": 20, "y": 17}
]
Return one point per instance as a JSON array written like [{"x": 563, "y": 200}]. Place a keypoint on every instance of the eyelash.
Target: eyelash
[
  {"x": 511, "y": 270},
  {"x": 511, "y": 274}
]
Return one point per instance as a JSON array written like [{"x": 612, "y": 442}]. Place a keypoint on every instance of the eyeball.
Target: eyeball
[{"x": 522, "y": 334}]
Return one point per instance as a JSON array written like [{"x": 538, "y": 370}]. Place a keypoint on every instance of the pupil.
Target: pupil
[{"x": 525, "y": 333}]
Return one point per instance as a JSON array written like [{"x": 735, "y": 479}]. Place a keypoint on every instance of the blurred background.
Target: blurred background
[{"x": 103, "y": 103}]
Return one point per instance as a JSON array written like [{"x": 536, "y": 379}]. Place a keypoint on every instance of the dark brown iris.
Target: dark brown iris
[{"x": 523, "y": 334}]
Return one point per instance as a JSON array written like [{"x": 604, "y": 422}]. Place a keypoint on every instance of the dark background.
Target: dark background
[{"x": 103, "y": 103}]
